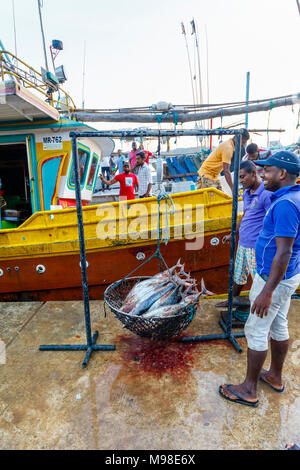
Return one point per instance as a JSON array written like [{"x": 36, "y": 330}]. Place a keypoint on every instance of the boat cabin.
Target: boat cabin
[{"x": 36, "y": 168}]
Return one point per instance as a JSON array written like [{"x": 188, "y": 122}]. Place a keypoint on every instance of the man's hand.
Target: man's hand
[
  {"x": 262, "y": 304},
  {"x": 101, "y": 177}
]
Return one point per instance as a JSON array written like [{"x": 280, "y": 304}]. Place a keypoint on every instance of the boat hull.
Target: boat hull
[
  {"x": 41, "y": 261},
  {"x": 61, "y": 279}
]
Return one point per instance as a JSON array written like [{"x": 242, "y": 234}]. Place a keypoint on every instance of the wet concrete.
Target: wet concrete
[{"x": 144, "y": 395}]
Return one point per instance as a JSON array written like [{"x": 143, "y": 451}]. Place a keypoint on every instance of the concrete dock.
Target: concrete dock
[{"x": 145, "y": 395}]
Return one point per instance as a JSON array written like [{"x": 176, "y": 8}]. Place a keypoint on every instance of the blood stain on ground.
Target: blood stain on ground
[{"x": 160, "y": 357}]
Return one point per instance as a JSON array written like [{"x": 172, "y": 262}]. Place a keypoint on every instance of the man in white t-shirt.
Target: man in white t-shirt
[{"x": 144, "y": 176}]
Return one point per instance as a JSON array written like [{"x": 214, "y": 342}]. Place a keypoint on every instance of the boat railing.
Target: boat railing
[{"x": 32, "y": 79}]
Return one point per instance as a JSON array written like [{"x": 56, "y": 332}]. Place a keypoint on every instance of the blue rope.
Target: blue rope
[{"x": 162, "y": 116}]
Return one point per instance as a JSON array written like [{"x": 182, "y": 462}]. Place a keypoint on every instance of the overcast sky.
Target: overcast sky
[{"x": 136, "y": 54}]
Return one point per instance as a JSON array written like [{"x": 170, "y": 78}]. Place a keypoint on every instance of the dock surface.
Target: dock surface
[{"x": 145, "y": 395}]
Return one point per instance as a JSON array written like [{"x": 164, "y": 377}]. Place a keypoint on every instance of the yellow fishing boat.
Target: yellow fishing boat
[{"x": 39, "y": 248}]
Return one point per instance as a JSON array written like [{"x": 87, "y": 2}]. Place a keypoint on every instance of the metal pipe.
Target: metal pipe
[
  {"x": 81, "y": 244},
  {"x": 237, "y": 157},
  {"x": 247, "y": 97},
  {"x": 164, "y": 133}
]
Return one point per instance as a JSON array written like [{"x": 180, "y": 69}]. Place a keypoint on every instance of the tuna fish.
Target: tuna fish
[
  {"x": 169, "y": 298},
  {"x": 164, "y": 294},
  {"x": 149, "y": 300},
  {"x": 171, "y": 310},
  {"x": 142, "y": 288}
]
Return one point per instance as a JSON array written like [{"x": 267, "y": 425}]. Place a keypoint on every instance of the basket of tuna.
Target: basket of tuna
[{"x": 157, "y": 307}]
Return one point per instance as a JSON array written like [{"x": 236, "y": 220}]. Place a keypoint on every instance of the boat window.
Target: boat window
[
  {"x": 83, "y": 157},
  {"x": 92, "y": 174}
]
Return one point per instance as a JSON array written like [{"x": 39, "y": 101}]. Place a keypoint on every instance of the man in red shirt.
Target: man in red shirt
[
  {"x": 128, "y": 183},
  {"x": 147, "y": 153}
]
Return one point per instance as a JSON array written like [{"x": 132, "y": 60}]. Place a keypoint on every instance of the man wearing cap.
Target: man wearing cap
[
  {"x": 278, "y": 276},
  {"x": 219, "y": 160},
  {"x": 132, "y": 157},
  {"x": 128, "y": 182}
]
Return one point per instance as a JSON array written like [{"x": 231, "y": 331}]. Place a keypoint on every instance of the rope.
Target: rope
[
  {"x": 163, "y": 115},
  {"x": 167, "y": 199}
]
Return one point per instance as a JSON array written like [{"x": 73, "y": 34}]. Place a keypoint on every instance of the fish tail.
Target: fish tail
[{"x": 205, "y": 291}]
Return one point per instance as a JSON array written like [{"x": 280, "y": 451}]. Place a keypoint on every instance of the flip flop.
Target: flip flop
[
  {"x": 271, "y": 386},
  {"x": 293, "y": 447},
  {"x": 239, "y": 400}
]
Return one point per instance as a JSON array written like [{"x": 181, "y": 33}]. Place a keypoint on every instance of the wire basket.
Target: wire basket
[{"x": 157, "y": 328}]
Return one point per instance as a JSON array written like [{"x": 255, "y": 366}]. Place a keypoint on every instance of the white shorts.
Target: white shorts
[{"x": 276, "y": 323}]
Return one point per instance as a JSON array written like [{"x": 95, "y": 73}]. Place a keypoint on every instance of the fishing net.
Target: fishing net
[{"x": 157, "y": 328}]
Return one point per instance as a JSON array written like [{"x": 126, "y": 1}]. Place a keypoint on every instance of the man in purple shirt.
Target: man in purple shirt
[{"x": 257, "y": 201}]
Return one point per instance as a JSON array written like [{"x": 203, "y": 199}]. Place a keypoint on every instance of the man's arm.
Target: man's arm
[
  {"x": 279, "y": 266},
  {"x": 227, "y": 174},
  {"x": 227, "y": 238},
  {"x": 149, "y": 182},
  {"x": 148, "y": 190},
  {"x": 109, "y": 183}
]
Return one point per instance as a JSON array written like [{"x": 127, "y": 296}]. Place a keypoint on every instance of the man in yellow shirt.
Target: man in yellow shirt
[{"x": 218, "y": 160}]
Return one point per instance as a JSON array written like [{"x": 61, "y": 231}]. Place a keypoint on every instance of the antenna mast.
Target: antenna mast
[
  {"x": 40, "y": 5},
  {"x": 198, "y": 57},
  {"x": 189, "y": 60},
  {"x": 83, "y": 73},
  {"x": 15, "y": 32}
]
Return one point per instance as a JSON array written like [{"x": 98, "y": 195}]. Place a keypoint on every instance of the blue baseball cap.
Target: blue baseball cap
[{"x": 283, "y": 159}]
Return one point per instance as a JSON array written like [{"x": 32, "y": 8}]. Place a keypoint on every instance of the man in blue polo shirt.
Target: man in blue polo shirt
[
  {"x": 278, "y": 276},
  {"x": 257, "y": 201}
]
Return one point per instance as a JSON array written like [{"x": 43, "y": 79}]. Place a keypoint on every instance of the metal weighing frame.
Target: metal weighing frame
[{"x": 228, "y": 334}]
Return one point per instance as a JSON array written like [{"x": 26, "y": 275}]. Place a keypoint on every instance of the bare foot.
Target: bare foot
[{"x": 271, "y": 380}]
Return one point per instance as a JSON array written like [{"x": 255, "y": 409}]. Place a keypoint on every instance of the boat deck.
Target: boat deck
[{"x": 144, "y": 395}]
